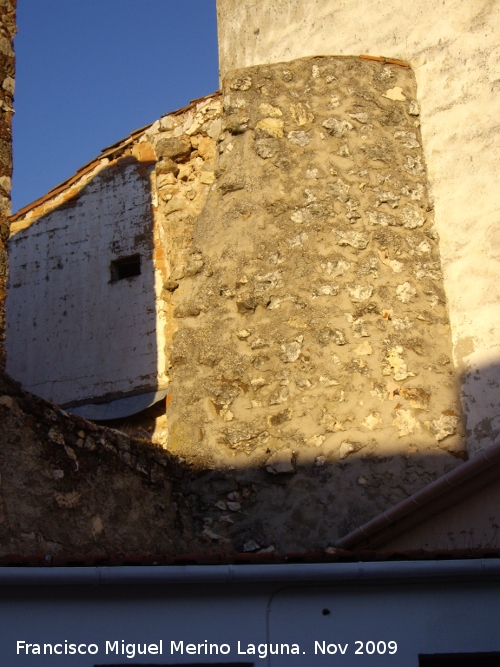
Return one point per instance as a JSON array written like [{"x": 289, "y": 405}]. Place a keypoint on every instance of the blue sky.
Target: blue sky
[{"x": 91, "y": 71}]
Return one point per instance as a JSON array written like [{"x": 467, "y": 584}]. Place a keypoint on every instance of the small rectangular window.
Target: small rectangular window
[
  {"x": 126, "y": 267},
  {"x": 459, "y": 660}
]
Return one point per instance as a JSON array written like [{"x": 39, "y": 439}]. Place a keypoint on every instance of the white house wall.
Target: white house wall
[
  {"x": 436, "y": 616},
  {"x": 453, "y": 48},
  {"x": 87, "y": 336}
]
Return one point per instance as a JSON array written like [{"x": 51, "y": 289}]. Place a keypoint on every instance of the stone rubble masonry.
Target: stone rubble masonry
[
  {"x": 302, "y": 321},
  {"x": 68, "y": 485},
  {"x": 316, "y": 313},
  {"x": 7, "y": 73},
  {"x": 452, "y": 47},
  {"x": 313, "y": 341}
]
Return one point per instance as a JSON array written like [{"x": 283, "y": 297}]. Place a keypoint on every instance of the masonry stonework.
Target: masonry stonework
[
  {"x": 7, "y": 65},
  {"x": 293, "y": 305},
  {"x": 452, "y": 47},
  {"x": 316, "y": 327}
]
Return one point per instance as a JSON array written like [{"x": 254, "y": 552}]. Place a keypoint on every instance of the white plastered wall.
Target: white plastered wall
[
  {"x": 74, "y": 334},
  {"x": 453, "y": 48}
]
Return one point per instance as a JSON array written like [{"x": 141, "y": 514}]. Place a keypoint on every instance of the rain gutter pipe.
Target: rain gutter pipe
[{"x": 331, "y": 573}]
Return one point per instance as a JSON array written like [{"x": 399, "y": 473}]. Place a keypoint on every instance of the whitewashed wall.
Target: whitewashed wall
[
  {"x": 72, "y": 333},
  {"x": 453, "y": 47}
]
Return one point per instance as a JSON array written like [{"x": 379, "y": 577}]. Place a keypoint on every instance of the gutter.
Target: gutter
[
  {"x": 444, "y": 492},
  {"x": 316, "y": 573}
]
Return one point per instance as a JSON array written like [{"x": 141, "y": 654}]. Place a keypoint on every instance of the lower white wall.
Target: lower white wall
[
  {"x": 453, "y": 47},
  {"x": 421, "y": 618}
]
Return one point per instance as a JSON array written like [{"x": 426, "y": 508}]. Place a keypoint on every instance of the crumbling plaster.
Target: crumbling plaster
[
  {"x": 74, "y": 334},
  {"x": 452, "y": 47}
]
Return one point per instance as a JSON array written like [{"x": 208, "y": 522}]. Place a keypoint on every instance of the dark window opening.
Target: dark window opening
[
  {"x": 127, "y": 267},
  {"x": 459, "y": 660}
]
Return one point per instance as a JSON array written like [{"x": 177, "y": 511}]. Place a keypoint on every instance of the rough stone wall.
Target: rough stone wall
[
  {"x": 69, "y": 486},
  {"x": 452, "y": 47},
  {"x": 184, "y": 145},
  {"x": 321, "y": 313},
  {"x": 313, "y": 350},
  {"x": 7, "y": 65}
]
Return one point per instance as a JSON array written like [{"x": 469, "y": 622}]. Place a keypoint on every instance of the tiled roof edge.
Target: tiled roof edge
[{"x": 88, "y": 166}]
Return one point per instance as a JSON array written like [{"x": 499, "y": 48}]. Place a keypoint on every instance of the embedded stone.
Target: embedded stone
[
  {"x": 443, "y": 427},
  {"x": 405, "y": 423},
  {"x": 241, "y": 83},
  {"x": 173, "y": 148},
  {"x": 7, "y": 401},
  {"x": 316, "y": 440},
  {"x": 359, "y": 293},
  {"x": 364, "y": 349},
  {"x": 361, "y": 117},
  {"x": 233, "y": 506},
  {"x": 246, "y": 303},
  {"x": 414, "y": 165},
  {"x": 395, "y": 94},
  {"x": 372, "y": 421},
  {"x": 299, "y": 138},
  {"x": 251, "y": 545},
  {"x": 56, "y": 436},
  {"x": 168, "y": 123},
  {"x": 387, "y": 198},
  {"x": 405, "y": 292},
  {"x": 412, "y": 217},
  {"x": 231, "y": 183},
  {"x": 340, "y": 190},
  {"x": 413, "y": 108},
  {"x": 237, "y": 123},
  {"x": 397, "y": 365},
  {"x": 347, "y": 448},
  {"x": 243, "y": 334},
  {"x": 207, "y": 177},
  {"x": 300, "y": 114},
  {"x": 266, "y": 148},
  {"x": 335, "y": 127},
  {"x": 408, "y": 139},
  {"x": 186, "y": 310},
  {"x": 269, "y": 111},
  {"x": 354, "y": 239},
  {"x": 270, "y": 128},
  {"x": 281, "y": 462},
  {"x": 291, "y": 352},
  {"x": 167, "y": 166},
  {"x": 206, "y": 148}
]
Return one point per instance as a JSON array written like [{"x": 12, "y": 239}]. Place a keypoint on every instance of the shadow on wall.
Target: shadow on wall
[
  {"x": 74, "y": 487},
  {"x": 481, "y": 404},
  {"x": 81, "y": 307},
  {"x": 78, "y": 488}
]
